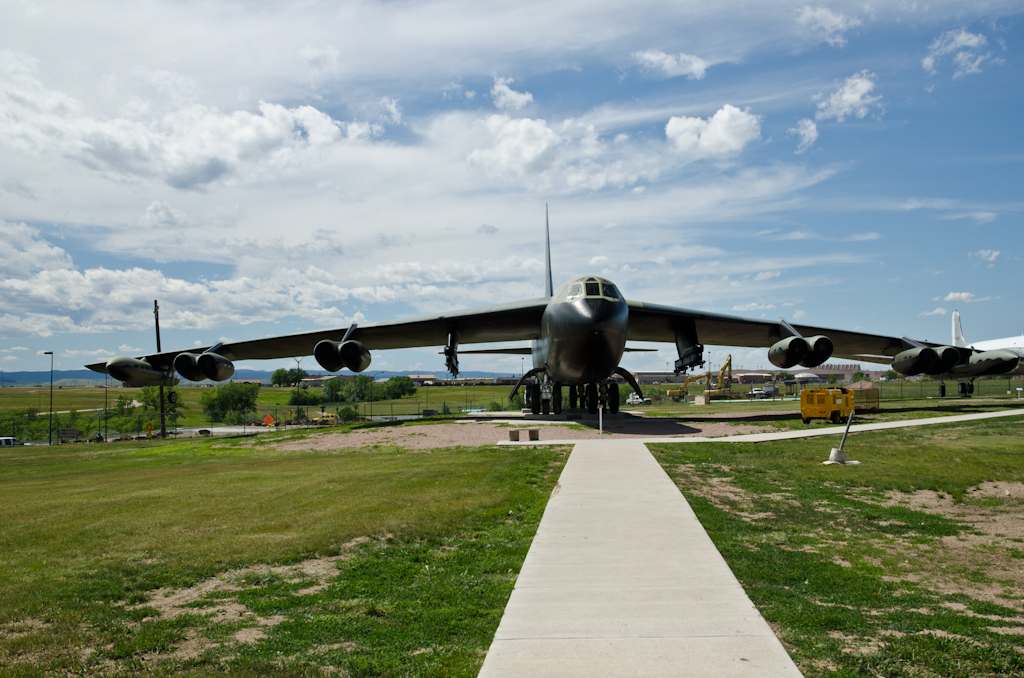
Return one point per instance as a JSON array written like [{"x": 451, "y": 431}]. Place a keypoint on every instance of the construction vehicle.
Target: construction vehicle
[
  {"x": 722, "y": 391},
  {"x": 834, "y": 404}
]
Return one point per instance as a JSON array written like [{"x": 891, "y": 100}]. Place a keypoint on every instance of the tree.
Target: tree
[
  {"x": 360, "y": 389},
  {"x": 292, "y": 377},
  {"x": 334, "y": 389},
  {"x": 832, "y": 379},
  {"x": 229, "y": 398},
  {"x": 124, "y": 405},
  {"x": 279, "y": 377},
  {"x": 860, "y": 376},
  {"x": 306, "y": 396},
  {"x": 399, "y": 387},
  {"x": 149, "y": 396},
  {"x": 891, "y": 375}
]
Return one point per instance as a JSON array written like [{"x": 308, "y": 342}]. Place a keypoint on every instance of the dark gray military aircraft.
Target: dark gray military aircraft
[{"x": 578, "y": 336}]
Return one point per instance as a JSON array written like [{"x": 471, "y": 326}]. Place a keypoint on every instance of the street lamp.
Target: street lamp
[{"x": 50, "y": 353}]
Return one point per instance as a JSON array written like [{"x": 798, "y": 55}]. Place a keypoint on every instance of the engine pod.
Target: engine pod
[
  {"x": 187, "y": 365},
  {"x": 334, "y": 355},
  {"x": 820, "y": 350},
  {"x": 788, "y": 352},
  {"x": 915, "y": 360},
  {"x": 214, "y": 366},
  {"x": 136, "y": 371},
  {"x": 947, "y": 358}
]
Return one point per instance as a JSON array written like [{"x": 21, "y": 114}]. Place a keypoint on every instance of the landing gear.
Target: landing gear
[
  {"x": 942, "y": 390},
  {"x": 172, "y": 397},
  {"x": 970, "y": 388},
  {"x": 556, "y": 398},
  {"x": 613, "y": 398},
  {"x": 965, "y": 389},
  {"x": 574, "y": 399},
  {"x": 592, "y": 398},
  {"x": 534, "y": 394}
]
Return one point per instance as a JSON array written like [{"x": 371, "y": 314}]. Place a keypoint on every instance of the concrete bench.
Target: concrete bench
[{"x": 532, "y": 433}]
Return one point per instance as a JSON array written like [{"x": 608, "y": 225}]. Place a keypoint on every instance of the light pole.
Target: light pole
[{"x": 50, "y": 427}]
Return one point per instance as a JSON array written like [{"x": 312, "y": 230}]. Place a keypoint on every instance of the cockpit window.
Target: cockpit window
[
  {"x": 593, "y": 289},
  {"x": 575, "y": 292},
  {"x": 610, "y": 291}
]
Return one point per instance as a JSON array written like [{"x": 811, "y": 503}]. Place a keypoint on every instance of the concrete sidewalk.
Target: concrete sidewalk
[
  {"x": 622, "y": 580},
  {"x": 802, "y": 433}
]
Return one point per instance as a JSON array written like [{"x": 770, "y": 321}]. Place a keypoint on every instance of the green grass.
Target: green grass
[
  {"x": 90, "y": 534},
  {"x": 852, "y": 584}
]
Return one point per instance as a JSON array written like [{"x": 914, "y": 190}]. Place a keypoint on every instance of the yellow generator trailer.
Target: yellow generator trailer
[{"x": 834, "y": 404}]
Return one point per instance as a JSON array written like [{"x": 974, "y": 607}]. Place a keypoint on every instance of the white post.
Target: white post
[{"x": 600, "y": 422}]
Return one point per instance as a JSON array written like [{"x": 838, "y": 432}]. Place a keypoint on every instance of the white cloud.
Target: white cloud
[
  {"x": 799, "y": 315},
  {"x": 753, "y": 306},
  {"x": 937, "y": 311},
  {"x": 807, "y": 130},
  {"x": 77, "y": 353},
  {"x": 161, "y": 215},
  {"x": 862, "y": 237},
  {"x": 722, "y": 135},
  {"x": 852, "y": 99},
  {"x": 12, "y": 349},
  {"x": 391, "y": 106},
  {"x": 487, "y": 229},
  {"x": 192, "y": 146},
  {"x": 966, "y": 297},
  {"x": 10, "y": 357},
  {"x": 979, "y": 216},
  {"x": 767, "y": 275},
  {"x": 826, "y": 24},
  {"x": 985, "y": 255},
  {"x": 506, "y": 98},
  {"x": 125, "y": 348},
  {"x": 599, "y": 261},
  {"x": 672, "y": 65},
  {"x": 965, "y": 47}
]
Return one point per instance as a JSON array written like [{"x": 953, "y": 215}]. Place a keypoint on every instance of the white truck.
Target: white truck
[
  {"x": 634, "y": 399},
  {"x": 767, "y": 391}
]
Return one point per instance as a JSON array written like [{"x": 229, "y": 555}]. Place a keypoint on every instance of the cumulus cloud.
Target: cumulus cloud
[
  {"x": 672, "y": 65},
  {"x": 853, "y": 99},
  {"x": 26, "y": 254},
  {"x": 508, "y": 99},
  {"x": 799, "y": 315},
  {"x": 391, "y": 106},
  {"x": 722, "y": 135},
  {"x": 826, "y": 25},
  {"x": 753, "y": 306},
  {"x": 862, "y": 237},
  {"x": 78, "y": 353},
  {"x": 487, "y": 229},
  {"x": 807, "y": 130},
  {"x": 965, "y": 297},
  {"x": 187, "y": 148},
  {"x": 161, "y": 215},
  {"x": 13, "y": 349},
  {"x": 985, "y": 255},
  {"x": 966, "y": 48},
  {"x": 979, "y": 216},
  {"x": 767, "y": 275},
  {"x": 125, "y": 348},
  {"x": 937, "y": 311}
]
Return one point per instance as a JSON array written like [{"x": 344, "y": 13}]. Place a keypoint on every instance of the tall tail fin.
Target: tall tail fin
[
  {"x": 958, "y": 334},
  {"x": 549, "y": 288}
]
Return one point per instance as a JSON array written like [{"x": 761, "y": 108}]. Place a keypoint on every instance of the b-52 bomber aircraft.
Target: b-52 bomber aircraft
[{"x": 577, "y": 337}]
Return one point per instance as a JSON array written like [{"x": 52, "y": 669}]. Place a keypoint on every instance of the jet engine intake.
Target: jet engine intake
[
  {"x": 136, "y": 371},
  {"x": 819, "y": 350},
  {"x": 947, "y": 358},
  {"x": 334, "y": 355},
  {"x": 915, "y": 360},
  {"x": 790, "y": 351},
  {"x": 186, "y": 364},
  {"x": 215, "y": 366}
]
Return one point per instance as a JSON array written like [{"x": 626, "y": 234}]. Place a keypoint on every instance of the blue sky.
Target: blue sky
[{"x": 276, "y": 167}]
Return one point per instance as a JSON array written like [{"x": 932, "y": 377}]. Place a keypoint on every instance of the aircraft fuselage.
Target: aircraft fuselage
[{"x": 583, "y": 332}]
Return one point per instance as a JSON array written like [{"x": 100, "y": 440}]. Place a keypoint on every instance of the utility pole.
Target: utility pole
[
  {"x": 163, "y": 420},
  {"x": 50, "y": 353}
]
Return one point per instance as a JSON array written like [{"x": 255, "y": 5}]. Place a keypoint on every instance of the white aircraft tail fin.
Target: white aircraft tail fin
[
  {"x": 549, "y": 288},
  {"x": 958, "y": 334}
]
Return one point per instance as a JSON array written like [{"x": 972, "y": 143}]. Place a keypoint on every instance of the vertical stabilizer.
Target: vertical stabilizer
[
  {"x": 549, "y": 288},
  {"x": 958, "y": 334}
]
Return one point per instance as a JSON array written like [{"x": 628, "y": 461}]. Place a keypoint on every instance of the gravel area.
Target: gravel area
[{"x": 477, "y": 433}]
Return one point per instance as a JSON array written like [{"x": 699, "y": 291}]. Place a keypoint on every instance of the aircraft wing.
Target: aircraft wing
[
  {"x": 516, "y": 321},
  {"x": 653, "y": 322}
]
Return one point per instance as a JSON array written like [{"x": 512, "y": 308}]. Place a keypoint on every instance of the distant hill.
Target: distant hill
[{"x": 90, "y": 378}]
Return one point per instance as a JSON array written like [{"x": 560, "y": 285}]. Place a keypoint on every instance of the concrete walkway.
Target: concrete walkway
[
  {"x": 622, "y": 580},
  {"x": 802, "y": 433}
]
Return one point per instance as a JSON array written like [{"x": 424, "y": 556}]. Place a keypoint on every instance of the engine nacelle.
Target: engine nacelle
[
  {"x": 215, "y": 366},
  {"x": 135, "y": 371},
  {"x": 986, "y": 363},
  {"x": 187, "y": 365},
  {"x": 947, "y": 358},
  {"x": 334, "y": 355},
  {"x": 915, "y": 360},
  {"x": 820, "y": 350},
  {"x": 789, "y": 352}
]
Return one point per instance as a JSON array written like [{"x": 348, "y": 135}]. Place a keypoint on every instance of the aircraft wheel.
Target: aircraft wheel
[
  {"x": 592, "y": 398},
  {"x": 535, "y": 398},
  {"x": 613, "y": 398},
  {"x": 556, "y": 398},
  {"x": 961, "y": 389},
  {"x": 545, "y": 407},
  {"x": 573, "y": 397},
  {"x": 806, "y": 420},
  {"x": 834, "y": 417},
  {"x": 172, "y": 397},
  {"x": 970, "y": 388},
  {"x": 942, "y": 390}
]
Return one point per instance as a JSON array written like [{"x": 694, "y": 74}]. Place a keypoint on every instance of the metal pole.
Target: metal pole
[
  {"x": 163, "y": 420},
  {"x": 600, "y": 422},
  {"x": 846, "y": 432},
  {"x": 50, "y": 427},
  {"x": 106, "y": 414}
]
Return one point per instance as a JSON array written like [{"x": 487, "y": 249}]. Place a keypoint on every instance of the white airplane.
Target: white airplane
[{"x": 1015, "y": 344}]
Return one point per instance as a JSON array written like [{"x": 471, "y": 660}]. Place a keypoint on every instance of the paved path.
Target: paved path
[
  {"x": 622, "y": 580},
  {"x": 803, "y": 433}
]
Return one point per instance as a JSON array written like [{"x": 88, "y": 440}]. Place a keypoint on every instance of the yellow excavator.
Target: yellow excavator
[{"x": 723, "y": 390}]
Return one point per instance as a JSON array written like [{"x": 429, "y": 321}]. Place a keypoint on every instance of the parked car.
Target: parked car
[
  {"x": 634, "y": 399},
  {"x": 10, "y": 442}
]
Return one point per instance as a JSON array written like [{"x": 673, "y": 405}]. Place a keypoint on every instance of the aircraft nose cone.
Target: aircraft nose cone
[{"x": 601, "y": 311}]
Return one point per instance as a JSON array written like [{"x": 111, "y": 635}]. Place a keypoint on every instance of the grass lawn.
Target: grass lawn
[
  {"x": 216, "y": 558},
  {"x": 910, "y": 564}
]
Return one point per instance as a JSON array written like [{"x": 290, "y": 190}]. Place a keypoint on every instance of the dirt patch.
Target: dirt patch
[
  {"x": 722, "y": 494},
  {"x": 479, "y": 433}
]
